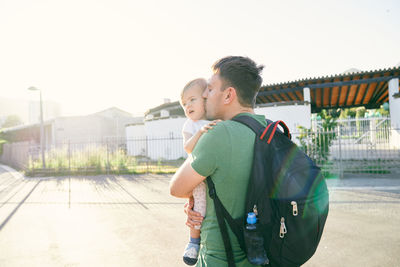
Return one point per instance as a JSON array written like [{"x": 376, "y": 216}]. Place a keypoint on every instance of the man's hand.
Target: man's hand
[
  {"x": 193, "y": 218},
  {"x": 209, "y": 126}
]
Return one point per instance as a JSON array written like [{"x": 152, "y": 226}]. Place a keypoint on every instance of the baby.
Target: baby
[{"x": 193, "y": 104}]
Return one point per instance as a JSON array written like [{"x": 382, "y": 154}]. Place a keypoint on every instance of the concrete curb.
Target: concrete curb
[{"x": 14, "y": 173}]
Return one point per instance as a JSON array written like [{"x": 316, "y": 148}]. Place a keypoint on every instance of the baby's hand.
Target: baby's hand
[{"x": 208, "y": 126}]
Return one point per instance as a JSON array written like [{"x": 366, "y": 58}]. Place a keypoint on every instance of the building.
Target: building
[
  {"x": 160, "y": 135},
  {"x": 97, "y": 127},
  {"x": 79, "y": 133},
  {"x": 352, "y": 88}
]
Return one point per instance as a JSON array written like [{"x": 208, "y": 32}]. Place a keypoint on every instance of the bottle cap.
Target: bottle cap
[{"x": 251, "y": 218}]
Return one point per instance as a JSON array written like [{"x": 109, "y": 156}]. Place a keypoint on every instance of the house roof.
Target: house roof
[
  {"x": 165, "y": 106},
  {"x": 349, "y": 89},
  {"x": 114, "y": 110},
  {"x": 25, "y": 126}
]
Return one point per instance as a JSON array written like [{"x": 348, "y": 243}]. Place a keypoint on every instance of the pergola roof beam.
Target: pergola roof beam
[
  {"x": 356, "y": 94},
  {"x": 377, "y": 90},
  {"x": 365, "y": 94},
  {"x": 331, "y": 84},
  {"x": 381, "y": 92}
]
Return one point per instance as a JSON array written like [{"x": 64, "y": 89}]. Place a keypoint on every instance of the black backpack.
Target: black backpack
[{"x": 286, "y": 190}]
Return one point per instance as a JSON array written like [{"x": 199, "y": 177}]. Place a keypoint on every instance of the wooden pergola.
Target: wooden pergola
[{"x": 367, "y": 88}]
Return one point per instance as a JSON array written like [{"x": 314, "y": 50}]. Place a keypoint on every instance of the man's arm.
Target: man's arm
[{"x": 184, "y": 181}]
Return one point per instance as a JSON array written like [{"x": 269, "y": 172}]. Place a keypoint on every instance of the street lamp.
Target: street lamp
[{"x": 42, "y": 134}]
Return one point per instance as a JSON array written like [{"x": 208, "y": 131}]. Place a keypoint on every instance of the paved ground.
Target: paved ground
[{"x": 132, "y": 221}]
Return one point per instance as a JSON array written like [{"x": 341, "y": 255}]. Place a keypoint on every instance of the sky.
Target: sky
[{"x": 90, "y": 55}]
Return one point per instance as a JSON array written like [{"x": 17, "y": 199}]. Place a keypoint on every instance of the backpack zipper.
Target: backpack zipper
[
  {"x": 283, "y": 229},
  {"x": 295, "y": 210},
  {"x": 255, "y": 210}
]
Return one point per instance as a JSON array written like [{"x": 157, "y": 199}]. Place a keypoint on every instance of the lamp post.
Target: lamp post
[{"x": 42, "y": 134}]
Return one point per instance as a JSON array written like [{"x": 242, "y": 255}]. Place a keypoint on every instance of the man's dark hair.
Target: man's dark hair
[{"x": 241, "y": 73}]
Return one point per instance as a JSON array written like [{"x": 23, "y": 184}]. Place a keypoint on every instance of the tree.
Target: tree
[
  {"x": 12, "y": 120},
  {"x": 384, "y": 109},
  {"x": 316, "y": 144}
]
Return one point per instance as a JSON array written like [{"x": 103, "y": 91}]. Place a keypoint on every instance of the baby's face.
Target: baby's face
[{"x": 193, "y": 103}]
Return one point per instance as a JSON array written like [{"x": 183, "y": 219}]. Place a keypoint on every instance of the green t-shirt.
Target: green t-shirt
[{"x": 226, "y": 154}]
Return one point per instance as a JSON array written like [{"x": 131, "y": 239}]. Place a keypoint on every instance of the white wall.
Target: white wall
[
  {"x": 136, "y": 140},
  {"x": 79, "y": 129},
  {"x": 291, "y": 115},
  {"x": 165, "y": 138},
  {"x": 165, "y": 127}
]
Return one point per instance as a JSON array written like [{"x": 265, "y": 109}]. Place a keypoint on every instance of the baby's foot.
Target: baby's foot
[{"x": 191, "y": 253}]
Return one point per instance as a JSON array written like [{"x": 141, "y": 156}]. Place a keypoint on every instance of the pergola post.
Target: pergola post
[
  {"x": 306, "y": 94},
  {"x": 307, "y": 98},
  {"x": 394, "y": 107}
]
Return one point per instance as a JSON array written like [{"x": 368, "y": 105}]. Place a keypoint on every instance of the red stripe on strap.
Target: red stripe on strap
[
  {"x": 265, "y": 131},
  {"x": 273, "y": 132}
]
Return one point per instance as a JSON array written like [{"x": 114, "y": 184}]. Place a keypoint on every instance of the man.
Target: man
[{"x": 225, "y": 153}]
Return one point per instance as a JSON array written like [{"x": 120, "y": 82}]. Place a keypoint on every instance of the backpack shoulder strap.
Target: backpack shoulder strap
[
  {"x": 219, "y": 210},
  {"x": 274, "y": 126},
  {"x": 251, "y": 123},
  {"x": 222, "y": 215},
  {"x": 262, "y": 131}
]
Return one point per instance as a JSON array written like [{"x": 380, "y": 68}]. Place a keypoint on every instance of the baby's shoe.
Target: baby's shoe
[{"x": 191, "y": 253}]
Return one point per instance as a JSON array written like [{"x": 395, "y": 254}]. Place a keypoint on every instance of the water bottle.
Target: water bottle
[{"x": 254, "y": 241}]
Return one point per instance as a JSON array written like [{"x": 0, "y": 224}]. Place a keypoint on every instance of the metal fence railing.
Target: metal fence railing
[
  {"x": 113, "y": 155},
  {"x": 348, "y": 148},
  {"x": 354, "y": 146}
]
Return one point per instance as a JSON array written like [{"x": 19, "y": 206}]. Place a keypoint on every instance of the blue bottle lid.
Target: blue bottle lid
[{"x": 251, "y": 218}]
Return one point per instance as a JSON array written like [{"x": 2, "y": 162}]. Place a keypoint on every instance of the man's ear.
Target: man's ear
[{"x": 229, "y": 95}]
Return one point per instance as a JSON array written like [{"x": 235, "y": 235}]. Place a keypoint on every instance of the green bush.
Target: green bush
[
  {"x": 2, "y": 142},
  {"x": 96, "y": 160}
]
